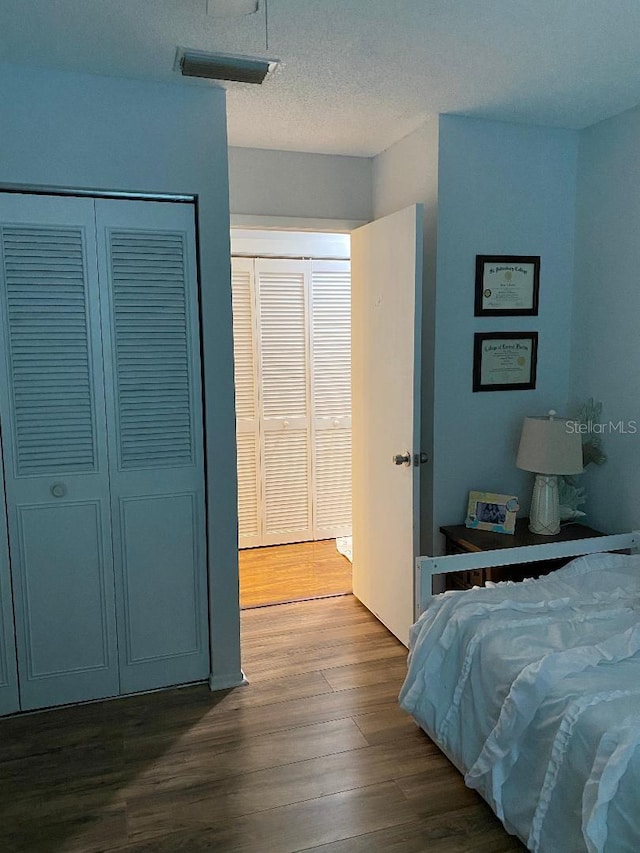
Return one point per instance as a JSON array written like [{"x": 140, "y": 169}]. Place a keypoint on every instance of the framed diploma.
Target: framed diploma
[
  {"x": 507, "y": 285},
  {"x": 504, "y": 361}
]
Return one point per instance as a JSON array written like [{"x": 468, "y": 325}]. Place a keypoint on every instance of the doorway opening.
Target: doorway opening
[
  {"x": 277, "y": 574},
  {"x": 291, "y": 315}
]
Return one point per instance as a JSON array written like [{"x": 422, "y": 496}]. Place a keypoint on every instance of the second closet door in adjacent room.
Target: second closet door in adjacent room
[
  {"x": 293, "y": 399},
  {"x": 330, "y": 333},
  {"x": 285, "y": 396}
]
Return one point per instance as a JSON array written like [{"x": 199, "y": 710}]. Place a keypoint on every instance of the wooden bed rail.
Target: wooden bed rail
[{"x": 427, "y": 567}]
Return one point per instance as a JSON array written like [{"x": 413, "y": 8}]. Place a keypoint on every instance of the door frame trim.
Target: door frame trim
[{"x": 28, "y": 189}]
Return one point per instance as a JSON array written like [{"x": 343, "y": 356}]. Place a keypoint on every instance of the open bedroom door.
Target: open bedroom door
[{"x": 386, "y": 281}]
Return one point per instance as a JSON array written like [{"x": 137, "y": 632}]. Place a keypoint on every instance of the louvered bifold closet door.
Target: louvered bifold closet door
[
  {"x": 247, "y": 386},
  {"x": 282, "y": 287},
  {"x": 149, "y": 298},
  {"x": 330, "y": 301},
  {"x": 54, "y": 449}
]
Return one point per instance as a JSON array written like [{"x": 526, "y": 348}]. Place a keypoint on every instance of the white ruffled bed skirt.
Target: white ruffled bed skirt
[{"x": 344, "y": 544}]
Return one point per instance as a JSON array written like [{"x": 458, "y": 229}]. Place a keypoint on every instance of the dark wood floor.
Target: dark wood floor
[{"x": 313, "y": 755}]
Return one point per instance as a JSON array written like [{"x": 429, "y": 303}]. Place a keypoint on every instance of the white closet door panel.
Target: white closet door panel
[
  {"x": 247, "y": 387},
  {"x": 153, "y": 384},
  {"x": 331, "y": 397},
  {"x": 63, "y": 635},
  {"x": 282, "y": 292},
  {"x": 332, "y": 469},
  {"x": 148, "y": 286},
  {"x": 249, "y": 484},
  {"x": 284, "y": 424},
  {"x": 299, "y": 335},
  {"x": 162, "y": 618},
  {"x": 283, "y": 338},
  {"x": 51, "y": 387},
  {"x": 331, "y": 339},
  {"x": 54, "y": 446},
  {"x": 244, "y": 338},
  {"x": 287, "y": 473}
]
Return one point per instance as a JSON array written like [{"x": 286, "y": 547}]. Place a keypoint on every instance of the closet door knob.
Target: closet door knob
[
  {"x": 58, "y": 490},
  {"x": 285, "y": 424}
]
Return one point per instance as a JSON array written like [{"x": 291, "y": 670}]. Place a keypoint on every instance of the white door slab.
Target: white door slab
[{"x": 386, "y": 274}]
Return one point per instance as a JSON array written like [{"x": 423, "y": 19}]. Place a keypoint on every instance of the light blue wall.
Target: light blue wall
[
  {"x": 294, "y": 184},
  {"x": 61, "y": 130},
  {"x": 502, "y": 189},
  {"x": 488, "y": 188},
  {"x": 606, "y": 339}
]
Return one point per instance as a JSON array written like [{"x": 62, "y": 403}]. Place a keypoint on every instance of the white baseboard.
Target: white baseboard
[{"x": 226, "y": 682}]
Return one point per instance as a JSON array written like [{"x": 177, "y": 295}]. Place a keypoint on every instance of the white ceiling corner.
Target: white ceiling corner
[{"x": 356, "y": 75}]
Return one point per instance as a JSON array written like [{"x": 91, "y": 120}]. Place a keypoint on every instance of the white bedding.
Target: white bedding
[{"x": 533, "y": 690}]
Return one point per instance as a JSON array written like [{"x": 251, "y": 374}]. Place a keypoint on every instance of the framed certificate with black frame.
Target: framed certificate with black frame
[
  {"x": 505, "y": 361},
  {"x": 507, "y": 285}
]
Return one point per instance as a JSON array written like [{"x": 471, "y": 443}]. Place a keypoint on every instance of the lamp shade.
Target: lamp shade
[{"x": 550, "y": 446}]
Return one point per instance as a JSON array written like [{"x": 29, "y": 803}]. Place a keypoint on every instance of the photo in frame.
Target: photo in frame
[
  {"x": 505, "y": 361},
  {"x": 490, "y": 511},
  {"x": 507, "y": 285}
]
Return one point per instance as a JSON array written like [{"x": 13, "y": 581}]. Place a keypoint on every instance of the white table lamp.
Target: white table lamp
[{"x": 548, "y": 447}]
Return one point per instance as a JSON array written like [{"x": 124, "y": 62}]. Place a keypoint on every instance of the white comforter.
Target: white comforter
[{"x": 533, "y": 690}]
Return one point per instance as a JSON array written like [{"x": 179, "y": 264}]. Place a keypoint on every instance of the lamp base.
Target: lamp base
[{"x": 544, "y": 517}]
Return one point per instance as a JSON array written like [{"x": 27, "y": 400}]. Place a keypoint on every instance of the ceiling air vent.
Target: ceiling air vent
[{"x": 223, "y": 66}]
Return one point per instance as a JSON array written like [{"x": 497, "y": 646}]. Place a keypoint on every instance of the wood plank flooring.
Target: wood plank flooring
[
  {"x": 313, "y": 755},
  {"x": 283, "y": 573}
]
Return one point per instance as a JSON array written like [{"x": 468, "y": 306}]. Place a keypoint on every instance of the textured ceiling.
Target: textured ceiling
[{"x": 357, "y": 75}]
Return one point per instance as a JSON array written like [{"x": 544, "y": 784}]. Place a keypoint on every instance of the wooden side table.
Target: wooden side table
[{"x": 462, "y": 540}]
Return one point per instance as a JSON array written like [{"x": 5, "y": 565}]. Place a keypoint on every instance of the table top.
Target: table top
[{"x": 472, "y": 539}]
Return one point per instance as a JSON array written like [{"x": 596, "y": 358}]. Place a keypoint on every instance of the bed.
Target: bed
[{"x": 532, "y": 690}]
